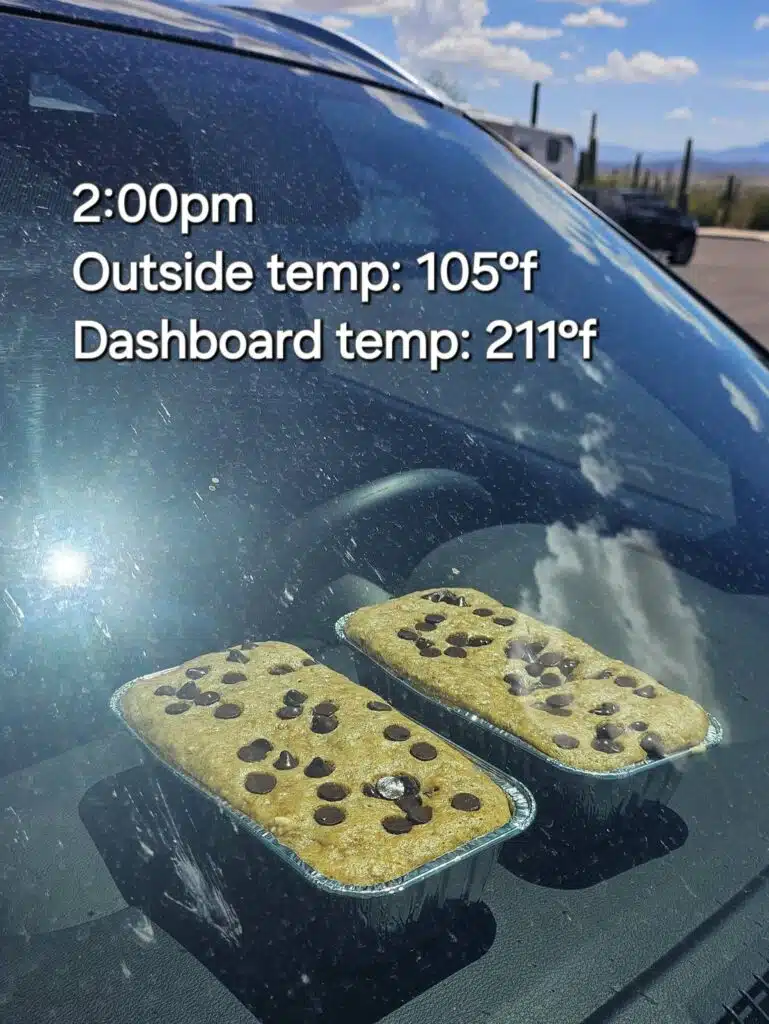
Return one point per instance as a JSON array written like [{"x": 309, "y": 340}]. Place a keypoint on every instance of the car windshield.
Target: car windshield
[{"x": 583, "y": 441}]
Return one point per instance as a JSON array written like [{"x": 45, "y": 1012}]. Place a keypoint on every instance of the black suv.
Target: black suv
[{"x": 648, "y": 217}]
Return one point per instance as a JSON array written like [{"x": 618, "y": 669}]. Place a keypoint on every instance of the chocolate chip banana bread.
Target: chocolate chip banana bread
[
  {"x": 360, "y": 793},
  {"x": 535, "y": 681}
]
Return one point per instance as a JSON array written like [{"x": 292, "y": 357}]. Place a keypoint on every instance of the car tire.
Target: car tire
[{"x": 682, "y": 254}]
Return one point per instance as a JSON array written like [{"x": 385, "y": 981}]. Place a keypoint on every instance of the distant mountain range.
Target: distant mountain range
[{"x": 733, "y": 157}]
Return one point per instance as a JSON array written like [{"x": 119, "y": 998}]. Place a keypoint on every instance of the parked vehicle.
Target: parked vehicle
[
  {"x": 554, "y": 150},
  {"x": 650, "y": 218}
]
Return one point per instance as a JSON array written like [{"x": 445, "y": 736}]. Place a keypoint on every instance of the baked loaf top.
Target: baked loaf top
[
  {"x": 362, "y": 794},
  {"x": 535, "y": 681}
]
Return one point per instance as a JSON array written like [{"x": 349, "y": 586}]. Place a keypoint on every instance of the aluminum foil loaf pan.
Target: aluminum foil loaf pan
[
  {"x": 351, "y": 911},
  {"x": 563, "y": 793}
]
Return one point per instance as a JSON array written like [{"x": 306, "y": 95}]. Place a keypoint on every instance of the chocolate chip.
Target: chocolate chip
[
  {"x": 559, "y": 700},
  {"x": 536, "y": 647},
  {"x": 165, "y": 691},
  {"x": 408, "y": 634},
  {"x": 329, "y": 815},
  {"x": 607, "y": 708},
  {"x": 396, "y": 826},
  {"x": 207, "y": 697},
  {"x": 448, "y": 597},
  {"x": 479, "y": 641},
  {"x": 411, "y": 785},
  {"x": 534, "y": 669},
  {"x": 434, "y": 618},
  {"x": 405, "y": 803},
  {"x": 465, "y": 802},
  {"x": 308, "y": 662},
  {"x": 285, "y": 760},
  {"x": 568, "y": 665},
  {"x": 550, "y": 679},
  {"x": 421, "y": 643},
  {"x": 228, "y": 711},
  {"x": 325, "y": 708},
  {"x": 609, "y": 731},
  {"x": 294, "y": 698},
  {"x": 235, "y": 655},
  {"x": 368, "y": 790},
  {"x": 425, "y": 627},
  {"x": 420, "y": 815},
  {"x": 280, "y": 670},
  {"x": 318, "y": 768},
  {"x": 515, "y": 649},
  {"x": 396, "y": 733},
  {"x": 455, "y": 652},
  {"x": 501, "y": 620},
  {"x": 260, "y": 783},
  {"x": 188, "y": 692},
  {"x": 607, "y": 746},
  {"x": 639, "y": 726},
  {"x": 457, "y": 639},
  {"x": 652, "y": 744},
  {"x": 177, "y": 708},
  {"x": 517, "y": 686},
  {"x": 378, "y": 705},
  {"x": 645, "y": 691},
  {"x": 430, "y": 652},
  {"x": 565, "y": 742},
  {"x": 332, "y": 791},
  {"x": 550, "y": 659},
  {"x": 624, "y": 680},
  {"x": 288, "y": 711},
  {"x": 234, "y": 677},
  {"x": 605, "y": 673},
  {"x": 559, "y": 712},
  {"x": 423, "y": 752},
  {"x": 323, "y": 724},
  {"x": 483, "y": 612},
  {"x": 256, "y": 750},
  {"x": 197, "y": 671}
]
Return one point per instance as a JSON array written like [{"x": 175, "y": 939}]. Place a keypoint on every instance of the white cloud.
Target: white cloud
[
  {"x": 753, "y": 85},
  {"x": 565, "y": 55},
  {"x": 594, "y": 17},
  {"x": 762, "y": 21},
  {"x": 453, "y": 32},
  {"x": 335, "y": 24},
  {"x": 588, "y": 3},
  {"x": 643, "y": 66},
  {"x": 517, "y": 30},
  {"x": 679, "y": 114},
  {"x": 478, "y": 50}
]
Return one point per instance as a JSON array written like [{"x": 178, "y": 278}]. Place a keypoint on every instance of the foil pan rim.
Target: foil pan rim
[
  {"x": 713, "y": 737},
  {"x": 522, "y": 813}
]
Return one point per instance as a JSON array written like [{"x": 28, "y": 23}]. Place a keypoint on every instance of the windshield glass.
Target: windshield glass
[{"x": 156, "y": 508}]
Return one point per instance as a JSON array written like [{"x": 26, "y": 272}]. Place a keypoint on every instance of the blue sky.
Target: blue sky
[{"x": 656, "y": 71}]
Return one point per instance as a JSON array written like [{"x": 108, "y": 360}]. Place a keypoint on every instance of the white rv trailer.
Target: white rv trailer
[{"x": 554, "y": 150}]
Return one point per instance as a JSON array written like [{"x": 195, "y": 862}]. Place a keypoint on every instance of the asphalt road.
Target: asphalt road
[{"x": 735, "y": 276}]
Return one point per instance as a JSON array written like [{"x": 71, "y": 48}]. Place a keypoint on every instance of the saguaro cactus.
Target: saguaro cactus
[
  {"x": 637, "y": 170},
  {"x": 535, "y": 104},
  {"x": 683, "y": 183}
]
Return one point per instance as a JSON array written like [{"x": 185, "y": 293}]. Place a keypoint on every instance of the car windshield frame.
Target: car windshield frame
[{"x": 151, "y": 509}]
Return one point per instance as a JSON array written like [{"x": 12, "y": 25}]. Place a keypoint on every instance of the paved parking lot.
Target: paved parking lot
[{"x": 734, "y": 274}]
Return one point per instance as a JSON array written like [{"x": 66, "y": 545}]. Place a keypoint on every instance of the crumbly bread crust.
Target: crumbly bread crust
[
  {"x": 335, "y": 725},
  {"x": 532, "y": 680}
]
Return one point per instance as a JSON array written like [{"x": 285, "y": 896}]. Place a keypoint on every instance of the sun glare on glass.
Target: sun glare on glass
[{"x": 66, "y": 567}]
